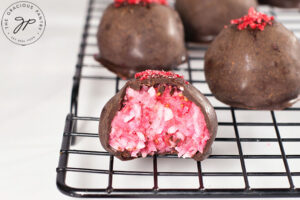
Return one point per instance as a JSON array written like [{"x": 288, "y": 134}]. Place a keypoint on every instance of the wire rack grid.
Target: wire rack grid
[{"x": 256, "y": 153}]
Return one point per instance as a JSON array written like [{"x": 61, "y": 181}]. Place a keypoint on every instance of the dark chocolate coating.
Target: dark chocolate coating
[
  {"x": 114, "y": 105},
  {"x": 255, "y": 69},
  {"x": 204, "y": 19},
  {"x": 282, "y": 3},
  {"x": 134, "y": 38}
]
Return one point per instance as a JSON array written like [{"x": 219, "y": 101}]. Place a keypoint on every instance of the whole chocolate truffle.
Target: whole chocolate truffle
[
  {"x": 282, "y": 3},
  {"x": 158, "y": 113},
  {"x": 204, "y": 19},
  {"x": 136, "y": 37},
  {"x": 254, "y": 64}
]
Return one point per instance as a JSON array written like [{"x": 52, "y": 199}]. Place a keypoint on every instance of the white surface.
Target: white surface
[{"x": 35, "y": 85}]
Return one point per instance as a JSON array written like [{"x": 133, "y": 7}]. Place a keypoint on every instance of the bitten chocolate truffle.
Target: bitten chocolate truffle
[
  {"x": 254, "y": 63},
  {"x": 204, "y": 19},
  {"x": 282, "y": 3},
  {"x": 158, "y": 113},
  {"x": 134, "y": 36}
]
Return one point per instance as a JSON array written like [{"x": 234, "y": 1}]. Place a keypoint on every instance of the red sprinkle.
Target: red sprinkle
[
  {"x": 254, "y": 19},
  {"x": 153, "y": 73},
  {"x": 119, "y": 3}
]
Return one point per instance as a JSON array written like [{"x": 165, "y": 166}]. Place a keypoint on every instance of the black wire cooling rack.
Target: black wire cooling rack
[{"x": 256, "y": 153}]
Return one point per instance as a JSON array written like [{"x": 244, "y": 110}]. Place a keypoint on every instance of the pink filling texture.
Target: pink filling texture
[{"x": 153, "y": 122}]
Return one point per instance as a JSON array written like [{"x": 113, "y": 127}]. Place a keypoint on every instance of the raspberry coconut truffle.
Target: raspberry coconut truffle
[
  {"x": 135, "y": 35},
  {"x": 204, "y": 19},
  {"x": 158, "y": 113},
  {"x": 254, "y": 63},
  {"x": 282, "y": 3}
]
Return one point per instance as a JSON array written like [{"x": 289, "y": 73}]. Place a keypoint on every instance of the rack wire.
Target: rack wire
[{"x": 256, "y": 153}]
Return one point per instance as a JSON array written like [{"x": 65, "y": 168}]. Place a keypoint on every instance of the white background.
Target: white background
[{"x": 35, "y": 86}]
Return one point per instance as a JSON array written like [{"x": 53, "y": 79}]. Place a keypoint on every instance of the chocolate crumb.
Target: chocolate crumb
[
  {"x": 161, "y": 89},
  {"x": 177, "y": 141},
  {"x": 172, "y": 91}
]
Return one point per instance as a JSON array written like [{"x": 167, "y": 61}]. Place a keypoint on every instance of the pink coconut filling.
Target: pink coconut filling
[{"x": 158, "y": 122}]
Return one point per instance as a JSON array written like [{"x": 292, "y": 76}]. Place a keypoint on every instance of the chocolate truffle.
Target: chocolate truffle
[
  {"x": 158, "y": 113},
  {"x": 204, "y": 19},
  {"x": 134, "y": 36},
  {"x": 282, "y": 3},
  {"x": 254, "y": 63}
]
